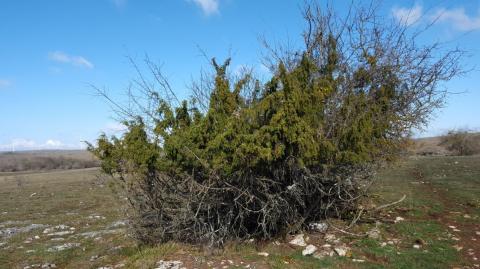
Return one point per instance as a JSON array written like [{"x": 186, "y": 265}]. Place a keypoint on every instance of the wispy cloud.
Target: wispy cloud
[
  {"x": 28, "y": 144},
  {"x": 119, "y": 3},
  {"x": 114, "y": 128},
  {"x": 458, "y": 18},
  {"x": 62, "y": 57},
  {"x": 408, "y": 16},
  {"x": 209, "y": 7},
  {"x": 5, "y": 83}
]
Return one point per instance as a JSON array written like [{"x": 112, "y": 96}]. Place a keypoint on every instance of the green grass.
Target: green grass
[{"x": 440, "y": 191}]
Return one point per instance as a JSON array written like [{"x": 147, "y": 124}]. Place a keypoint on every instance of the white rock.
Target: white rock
[
  {"x": 358, "y": 260},
  {"x": 264, "y": 254},
  {"x": 330, "y": 237},
  {"x": 324, "y": 253},
  {"x": 298, "y": 240},
  {"x": 320, "y": 227},
  {"x": 477, "y": 233},
  {"x": 48, "y": 265},
  {"x": 63, "y": 247},
  {"x": 169, "y": 265},
  {"x": 341, "y": 250},
  {"x": 309, "y": 250},
  {"x": 398, "y": 219},
  {"x": 62, "y": 233},
  {"x": 417, "y": 246}
]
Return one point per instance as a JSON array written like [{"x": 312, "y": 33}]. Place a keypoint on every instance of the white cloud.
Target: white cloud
[
  {"x": 19, "y": 144},
  {"x": 61, "y": 57},
  {"x": 119, "y": 3},
  {"x": 457, "y": 18},
  {"x": 113, "y": 128},
  {"x": 5, "y": 83},
  {"x": 53, "y": 143},
  {"x": 408, "y": 16},
  {"x": 208, "y": 7}
]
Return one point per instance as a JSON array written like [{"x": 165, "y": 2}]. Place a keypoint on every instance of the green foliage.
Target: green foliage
[{"x": 278, "y": 152}]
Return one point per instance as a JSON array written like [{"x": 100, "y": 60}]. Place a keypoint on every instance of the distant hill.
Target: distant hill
[
  {"x": 44, "y": 160},
  {"x": 433, "y": 145}
]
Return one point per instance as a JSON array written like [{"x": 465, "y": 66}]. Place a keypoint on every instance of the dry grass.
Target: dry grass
[{"x": 46, "y": 160}]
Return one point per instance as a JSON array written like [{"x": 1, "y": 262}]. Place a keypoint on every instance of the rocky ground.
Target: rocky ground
[{"x": 71, "y": 219}]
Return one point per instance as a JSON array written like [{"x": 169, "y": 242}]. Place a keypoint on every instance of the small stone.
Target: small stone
[
  {"x": 452, "y": 227},
  {"x": 330, "y": 237},
  {"x": 324, "y": 253},
  {"x": 320, "y": 227},
  {"x": 358, "y": 260},
  {"x": 467, "y": 216},
  {"x": 63, "y": 247},
  {"x": 341, "y": 251},
  {"x": 298, "y": 240},
  {"x": 169, "y": 264},
  {"x": 373, "y": 234},
  {"x": 458, "y": 247},
  {"x": 49, "y": 265},
  {"x": 398, "y": 219},
  {"x": 264, "y": 254},
  {"x": 93, "y": 258},
  {"x": 417, "y": 246},
  {"x": 477, "y": 233},
  {"x": 309, "y": 250},
  {"x": 383, "y": 244}
]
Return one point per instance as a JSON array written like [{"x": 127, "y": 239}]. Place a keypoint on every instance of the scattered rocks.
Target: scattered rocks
[
  {"x": 320, "y": 227},
  {"x": 264, "y": 254},
  {"x": 63, "y": 247},
  {"x": 9, "y": 232},
  {"x": 169, "y": 265},
  {"x": 56, "y": 228},
  {"x": 298, "y": 240},
  {"x": 309, "y": 250},
  {"x": 94, "y": 234}
]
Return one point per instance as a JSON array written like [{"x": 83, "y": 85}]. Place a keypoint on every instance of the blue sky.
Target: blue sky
[{"x": 51, "y": 51}]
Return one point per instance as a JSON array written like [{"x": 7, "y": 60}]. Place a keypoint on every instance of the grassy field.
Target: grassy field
[{"x": 73, "y": 220}]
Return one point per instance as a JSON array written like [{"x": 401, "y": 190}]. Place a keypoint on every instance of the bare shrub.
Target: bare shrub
[
  {"x": 461, "y": 142},
  {"x": 250, "y": 159}
]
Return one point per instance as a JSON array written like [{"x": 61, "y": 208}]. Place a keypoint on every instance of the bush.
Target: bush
[
  {"x": 245, "y": 159},
  {"x": 461, "y": 142}
]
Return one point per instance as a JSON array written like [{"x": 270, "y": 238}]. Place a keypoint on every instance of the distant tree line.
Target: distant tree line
[{"x": 17, "y": 162}]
